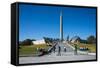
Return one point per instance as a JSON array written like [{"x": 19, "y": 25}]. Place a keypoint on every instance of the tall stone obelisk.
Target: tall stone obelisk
[{"x": 61, "y": 26}]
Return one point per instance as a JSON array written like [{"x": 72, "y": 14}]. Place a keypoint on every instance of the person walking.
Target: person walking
[
  {"x": 59, "y": 51},
  {"x": 75, "y": 51},
  {"x": 54, "y": 48},
  {"x": 64, "y": 49}
]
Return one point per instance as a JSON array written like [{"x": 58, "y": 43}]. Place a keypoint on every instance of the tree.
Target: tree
[
  {"x": 91, "y": 39},
  {"x": 48, "y": 40},
  {"x": 26, "y": 42},
  {"x": 83, "y": 41}
]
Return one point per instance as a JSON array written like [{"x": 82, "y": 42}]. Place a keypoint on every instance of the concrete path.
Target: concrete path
[{"x": 25, "y": 60}]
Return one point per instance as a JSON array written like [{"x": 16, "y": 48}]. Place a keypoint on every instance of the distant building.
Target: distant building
[
  {"x": 75, "y": 39},
  {"x": 39, "y": 41}
]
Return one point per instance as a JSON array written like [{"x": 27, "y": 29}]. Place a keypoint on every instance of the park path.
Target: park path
[
  {"x": 69, "y": 50},
  {"x": 52, "y": 58}
]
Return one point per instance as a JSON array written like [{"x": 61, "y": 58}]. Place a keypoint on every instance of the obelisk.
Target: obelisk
[{"x": 61, "y": 26}]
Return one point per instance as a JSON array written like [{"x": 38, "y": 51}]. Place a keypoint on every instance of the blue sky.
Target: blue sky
[{"x": 36, "y": 22}]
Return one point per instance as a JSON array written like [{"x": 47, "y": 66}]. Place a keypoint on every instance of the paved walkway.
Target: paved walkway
[{"x": 23, "y": 60}]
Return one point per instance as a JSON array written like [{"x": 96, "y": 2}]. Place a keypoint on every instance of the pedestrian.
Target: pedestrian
[
  {"x": 75, "y": 51},
  {"x": 59, "y": 51},
  {"x": 64, "y": 49},
  {"x": 54, "y": 49}
]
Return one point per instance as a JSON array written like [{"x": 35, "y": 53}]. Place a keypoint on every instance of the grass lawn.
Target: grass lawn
[
  {"x": 31, "y": 49},
  {"x": 91, "y": 47}
]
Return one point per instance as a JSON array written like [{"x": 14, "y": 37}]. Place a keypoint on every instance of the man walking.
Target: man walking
[
  {"x": 59, "y": 51},
  {"x": 75, "y": 51}
]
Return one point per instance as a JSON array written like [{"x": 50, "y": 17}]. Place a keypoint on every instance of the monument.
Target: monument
[{"x": 61, "y": 27}]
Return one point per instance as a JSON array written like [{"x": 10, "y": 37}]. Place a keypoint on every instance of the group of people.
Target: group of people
[
  {"x": 64, "y": 49},
  {"x": 58, "y": 49}
]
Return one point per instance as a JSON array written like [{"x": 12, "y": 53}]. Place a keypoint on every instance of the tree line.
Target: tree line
[
  {"x": 26, "y": 42},
  {"x": 90, "y": 40}
]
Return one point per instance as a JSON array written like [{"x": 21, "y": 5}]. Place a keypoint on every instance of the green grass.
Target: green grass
[
  {"x": 31, "y": 49},
  {"x": 91, "y": 47}
]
